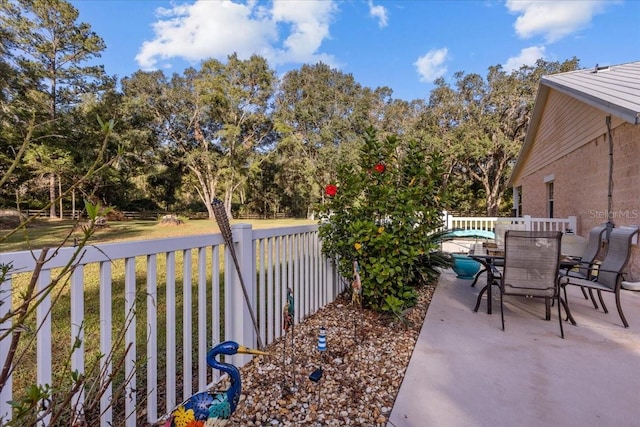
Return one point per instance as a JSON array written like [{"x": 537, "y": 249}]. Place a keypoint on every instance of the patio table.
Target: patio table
[{"x": 487, "y": 258}]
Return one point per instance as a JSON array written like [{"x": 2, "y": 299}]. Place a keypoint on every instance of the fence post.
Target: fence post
[
  {"x": 527, "y": 222},
  {"x": 573, "y": 224},
  {"x": 447, "y": 220},
  {"x": 238, "y": 324},
  {"x": 5, "y": 344},
  {"x": 332, "y": 285}
]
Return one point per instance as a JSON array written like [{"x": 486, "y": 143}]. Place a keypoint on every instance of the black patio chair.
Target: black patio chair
[
  {"x": 608, "y": 276},
  {"x": 584, "y": 268},
  {"x": 531, "y": 263}
]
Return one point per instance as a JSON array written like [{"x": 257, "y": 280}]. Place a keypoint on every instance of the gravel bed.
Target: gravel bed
[{"x": 362, "y": 369}]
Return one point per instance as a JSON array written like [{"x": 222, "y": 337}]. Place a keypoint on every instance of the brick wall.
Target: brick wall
[{"x": 581, "y": 185}]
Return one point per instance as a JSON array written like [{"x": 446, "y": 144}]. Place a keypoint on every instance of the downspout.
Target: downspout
[{"x": 610, "y": 193}]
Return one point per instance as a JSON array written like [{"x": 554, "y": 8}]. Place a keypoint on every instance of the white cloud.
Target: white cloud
[
  {"x": 378, "y": 12},
  {"x": 430, "y": 66},
  {"x": 528, "y": 56},
  {"x": 555, "y": 19},
  {"x": 309, "y": 22},
  {"x": 216, "y": 29}
]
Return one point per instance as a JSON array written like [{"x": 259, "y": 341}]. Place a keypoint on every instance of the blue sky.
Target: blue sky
[{"x": 402, "y": 44}]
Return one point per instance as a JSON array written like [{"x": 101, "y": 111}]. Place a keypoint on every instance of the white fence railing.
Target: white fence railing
[
  {"x": 170, "y": 292},
  {"x": 488, "y": 223}
]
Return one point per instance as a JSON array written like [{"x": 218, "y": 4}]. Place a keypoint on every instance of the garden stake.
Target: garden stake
[
  {"x": 288, "y": 323},
  {"x": 356, "y": 296},
  {"x": 316, "y": 375},
  {"x": 225, "y": 229}
]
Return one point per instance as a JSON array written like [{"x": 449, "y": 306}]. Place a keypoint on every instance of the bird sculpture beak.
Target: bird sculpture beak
[{"x": 246, "y": 350}]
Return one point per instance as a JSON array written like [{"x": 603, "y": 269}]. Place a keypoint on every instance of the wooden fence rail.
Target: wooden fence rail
[{"x": 156, "y": 215}]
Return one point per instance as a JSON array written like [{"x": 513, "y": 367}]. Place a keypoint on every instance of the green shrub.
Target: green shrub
[{"x": 383, "y": 213}]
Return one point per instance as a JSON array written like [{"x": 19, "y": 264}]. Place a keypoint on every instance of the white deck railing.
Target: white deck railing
[
  {"x": 193, "y": 306},
  {"x": 488, "y": 223}
]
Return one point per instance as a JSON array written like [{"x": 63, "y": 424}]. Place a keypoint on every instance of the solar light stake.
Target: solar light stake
[
  {"x": 288, "y": 313},
  {"x": 322, "y": 340},
  {"x": 316, "y": 375}
]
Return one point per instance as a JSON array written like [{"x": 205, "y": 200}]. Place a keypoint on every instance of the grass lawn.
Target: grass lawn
[{"x": 52, "y": 233}]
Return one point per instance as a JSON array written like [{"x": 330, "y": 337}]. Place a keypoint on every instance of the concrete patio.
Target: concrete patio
[{"x": 465, "y": 371}]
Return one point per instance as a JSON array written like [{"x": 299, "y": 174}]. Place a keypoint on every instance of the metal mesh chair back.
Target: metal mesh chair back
[
  {"x": 618, "y": 253},
  {"x": 592, "y": 250},
  {"x": 531, "y": 262},
  {"x": 502, "y": 227}
]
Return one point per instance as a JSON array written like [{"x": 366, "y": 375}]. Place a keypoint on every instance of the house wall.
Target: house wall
[{"x": 572, "y": 146}]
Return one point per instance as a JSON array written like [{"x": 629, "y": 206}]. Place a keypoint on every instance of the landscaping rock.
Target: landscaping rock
[
  {"x": 10, "y": 219},
  {"x": 170, "y": 220},
  {"x": 363, "y": 367}
]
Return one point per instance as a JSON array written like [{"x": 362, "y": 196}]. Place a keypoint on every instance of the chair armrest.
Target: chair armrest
[
  {"x": 495, "y": 272},
  {"x": 564, "y": 271},
  {"x": 601, "y": 270},
  {"x": 585, "y": 264},
  {"x": 566, "y": 280}
]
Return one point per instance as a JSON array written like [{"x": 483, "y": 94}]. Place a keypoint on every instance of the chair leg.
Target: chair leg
[
  {"x": 624, "y": 320},
  {"x": 584, "y": 292},
  {"x": 475, "y": 280},
  {"x": 560, "y": 317},
  {"x": 593, "y": 300},
  {"x": 566, "y": 308},
  {"x": 479, "y": 300},
  {"x": 501, "y": 309},
  {"x": 604, "y": 307},
  {"x": 547, "y": 308}
]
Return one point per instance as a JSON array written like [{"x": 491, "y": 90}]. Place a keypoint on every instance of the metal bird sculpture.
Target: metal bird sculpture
[
  {"x": 288, "y": 311},
  {"x": 211, "y": 408}
]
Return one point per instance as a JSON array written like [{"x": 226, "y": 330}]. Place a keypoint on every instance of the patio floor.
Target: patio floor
[{"x": 465, "y": 371}]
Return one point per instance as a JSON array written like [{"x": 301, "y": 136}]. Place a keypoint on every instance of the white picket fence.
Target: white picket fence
[
  {"x": 488, "y": 223},
  {"x": 187, "y": 304}
]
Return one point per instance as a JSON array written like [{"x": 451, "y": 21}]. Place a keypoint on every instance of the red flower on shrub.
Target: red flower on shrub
[
  {"x": 331, "y": 190},
  {"x": 379, "y": 167}
]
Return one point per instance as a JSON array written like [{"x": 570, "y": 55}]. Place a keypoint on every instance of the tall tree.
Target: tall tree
[
  {"x": 238, "y": 94},
  {"x": 8, "y": 119},
  {"x": 320, "y": 114},
  {"x": 211, "y": 120},
  {"x": 482, "y": 123},
  {"x": 50, "y": 52}
]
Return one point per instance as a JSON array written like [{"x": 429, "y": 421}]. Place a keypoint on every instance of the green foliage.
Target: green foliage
[
  {"x": 383, "y": 215},
  {"x": 27, "y": 408},
  {"x": 482, "y": 123}
]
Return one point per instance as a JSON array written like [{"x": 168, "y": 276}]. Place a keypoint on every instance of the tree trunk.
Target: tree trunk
[
  {"x": 227, "y": 203},
  {"x": 493, "y": 205},
  {"x": 210, "y": 210},
  {"x": 60, "y": 193},
  {"x": 52, "y": 196}
]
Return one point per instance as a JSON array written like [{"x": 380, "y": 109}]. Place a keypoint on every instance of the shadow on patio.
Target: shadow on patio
[{"x": 465, "y": 371}]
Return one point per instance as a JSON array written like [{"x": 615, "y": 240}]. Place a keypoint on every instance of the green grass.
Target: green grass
[{"x": 52, "y": 233}]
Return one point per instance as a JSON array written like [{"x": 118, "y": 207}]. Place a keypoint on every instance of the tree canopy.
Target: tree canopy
[{"x": 233, "y": 129}]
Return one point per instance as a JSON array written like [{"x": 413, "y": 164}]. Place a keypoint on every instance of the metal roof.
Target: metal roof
[{"x": 614, "y": 89}]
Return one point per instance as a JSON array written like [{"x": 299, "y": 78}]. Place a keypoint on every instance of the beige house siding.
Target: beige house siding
[{"x": 565, "y": 126}]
